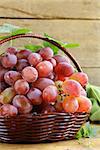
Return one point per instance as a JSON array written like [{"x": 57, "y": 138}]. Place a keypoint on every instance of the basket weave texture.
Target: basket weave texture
[{"x": 38, "y": 128}]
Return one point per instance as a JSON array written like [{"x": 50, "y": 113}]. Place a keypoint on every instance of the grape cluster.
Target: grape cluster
[{"x": 40, "y": 83}]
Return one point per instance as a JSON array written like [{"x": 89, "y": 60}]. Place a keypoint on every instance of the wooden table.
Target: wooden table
[{"x": 82, "y": 144}]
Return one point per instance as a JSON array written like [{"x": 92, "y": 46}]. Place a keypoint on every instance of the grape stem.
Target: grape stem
[{"x": 45, "y": 39}]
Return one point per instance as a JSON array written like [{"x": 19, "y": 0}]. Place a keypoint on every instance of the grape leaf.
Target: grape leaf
[
  {"x": 12, "y": 30},
  {"x": 20, "y": 31},
  {"x": 70, "y": 45},
  {"x": 32, "y": 47},
  {"x": 86, "y": 131},
  {"x": 66, "y": 45}
]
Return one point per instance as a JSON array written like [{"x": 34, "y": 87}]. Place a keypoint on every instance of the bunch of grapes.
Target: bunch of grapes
[{"x": 40, "y": 83}]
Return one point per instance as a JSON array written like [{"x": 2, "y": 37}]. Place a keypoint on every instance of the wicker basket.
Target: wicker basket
[{"x": 32, "y": 128}]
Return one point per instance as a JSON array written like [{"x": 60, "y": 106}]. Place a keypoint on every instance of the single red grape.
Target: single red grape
[
  {"x": 21, "y": 87},
  {"x": 30, "y": 74},
  {"x": 7, "y": 95},
  {"x": 70, "y": 104},
  {"x": 50, "y": 94},
  {"x": 64, "y": 69},
  {"x": 44, "y": 68},
  {"x": 34, "y": 59},
  {"x": 9, "y": 60},
  {"x": 85, "y": 104},
  {"x": 8, "y": 110},
  {"x": 11, "y": 77},
  {"x": 46, "y": 53},
  {"x": 22, "y": 104},
  {"x": 35, "y": 96},
  {"x": 71, "y": 87}
]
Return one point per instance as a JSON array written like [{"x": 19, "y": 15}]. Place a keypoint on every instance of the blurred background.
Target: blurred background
[{"x": 73, "y": 21}]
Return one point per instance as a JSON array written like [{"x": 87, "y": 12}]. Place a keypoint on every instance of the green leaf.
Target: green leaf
[
  {"x": 32, "y": 47},
  {"x": 70, "y": 45},
  {"x": 66, "y": 45},
  {"x": 93, "y": 92},
  {"x": 7, "y": 28},
  {"x": 3, "y": 37},
  {"x": 95, "y": 116},
  {"x": 12, "y": 30},
  {"x": 95, "y": 106},
  {"x": 86, "y": 131},
  {"x": 20, "y": 31}
]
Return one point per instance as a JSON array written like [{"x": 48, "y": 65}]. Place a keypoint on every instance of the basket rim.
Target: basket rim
[{"x": 43, "y": 115}]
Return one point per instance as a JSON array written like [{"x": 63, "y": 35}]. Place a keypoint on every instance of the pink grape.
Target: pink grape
[
  {"x": 46, "y": 53},
  {"x": 11, "y": 77},
  {"x": 50, "y": 94},
  {"x": 81, "y": 77},
  {"x": 42, "y": 83},
  {"x": 35, "y": 96},
  {"x": 8, "y": 110},
  {"x": 12, "y": 50},
  {"x": 22, "y": 104},
  {"x": 44, "y": 68},
  {"x": 64, "y": 69},
  {"x": 71, "y": 87},
  {"x": 60, "y": 59},
  {"x": 30, "y": 74},
  {"x": 70, "y": 104},
  {"x": 85, "y": 104},
  {"x": 23, "y": 54},
  {"x": 21, "y": 64},
  {"x": 7, "y": 95},
  {"x": 21, "y": 87},
  {"x": 53, "y": 61},
  {"x": 9, "y": 60},
  {"x": 34, "y": 59}
]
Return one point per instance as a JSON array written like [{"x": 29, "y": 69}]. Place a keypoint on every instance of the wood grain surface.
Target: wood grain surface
[{"x": 89, "y": 9}]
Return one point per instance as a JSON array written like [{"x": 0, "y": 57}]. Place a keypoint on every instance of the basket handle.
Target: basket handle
[{"x": 45, "y": 39}]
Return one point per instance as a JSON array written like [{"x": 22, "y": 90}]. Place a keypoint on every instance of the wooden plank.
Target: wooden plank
[
  {"x": 93, "y": 74},
  {"x": 89, "y": 9},
  {"x": 86, "y": 33}
]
